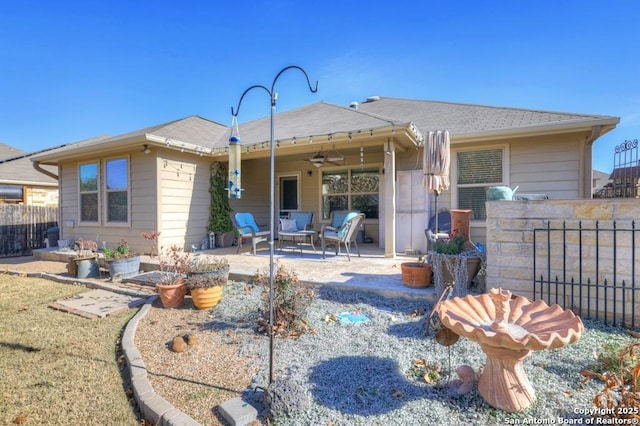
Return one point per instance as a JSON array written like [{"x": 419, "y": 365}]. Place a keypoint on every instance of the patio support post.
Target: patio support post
[
  {"x": 389, "y": 183},
  {"x": 274, "y": 97}
]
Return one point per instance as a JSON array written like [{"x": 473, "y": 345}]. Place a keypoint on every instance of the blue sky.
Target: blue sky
[{"x": 71, "y": 70}]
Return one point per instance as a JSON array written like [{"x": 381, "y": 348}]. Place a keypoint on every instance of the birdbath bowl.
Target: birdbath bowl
[{"x": 508, "y": 328}]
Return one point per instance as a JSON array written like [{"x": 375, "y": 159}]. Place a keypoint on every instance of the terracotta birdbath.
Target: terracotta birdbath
[{"x": 508, "y": 328}]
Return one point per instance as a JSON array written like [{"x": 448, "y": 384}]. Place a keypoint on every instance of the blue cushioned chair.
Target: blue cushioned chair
[
  {"x": 247, "y": 229},
  {"x": 346, "y": 233}
]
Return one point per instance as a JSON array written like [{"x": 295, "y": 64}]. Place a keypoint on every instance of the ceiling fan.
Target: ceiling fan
[{"x": 321, "y": 157}]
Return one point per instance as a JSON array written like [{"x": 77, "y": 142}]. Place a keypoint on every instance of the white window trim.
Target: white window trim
[
  {"x": 506, "y": 171},
  {"x": 103, "y": 191},
  {"x": 99, "y": 184}
]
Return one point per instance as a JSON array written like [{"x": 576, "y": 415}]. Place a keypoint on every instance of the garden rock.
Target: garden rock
[
  {"x": 284, "y": 397},
  {"x": 192, "y": 339},
  {"x": 178, "y": 344}
]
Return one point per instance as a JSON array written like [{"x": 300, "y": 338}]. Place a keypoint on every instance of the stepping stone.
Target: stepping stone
[
  {"x": 238, "y": 412},
  {"x": 97, "y": 303}
]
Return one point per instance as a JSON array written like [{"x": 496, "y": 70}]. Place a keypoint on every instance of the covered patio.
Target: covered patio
[{"x": 372, "y": 271}]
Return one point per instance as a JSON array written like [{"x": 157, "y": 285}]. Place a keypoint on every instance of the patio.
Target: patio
[{"x": 372, "y": 271}]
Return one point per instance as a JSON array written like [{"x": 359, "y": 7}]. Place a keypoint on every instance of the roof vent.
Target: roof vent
[
  {"x": 354, "y": 105},
  {"x": 373, "y": 98}
]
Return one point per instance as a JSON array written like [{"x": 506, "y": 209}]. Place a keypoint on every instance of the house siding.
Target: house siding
[
  {"x": 184, "y": 200},
  {"x": 549, "y": 165}
]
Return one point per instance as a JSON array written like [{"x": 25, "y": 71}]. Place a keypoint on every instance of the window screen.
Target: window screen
[{"x": 478, "y": 170}]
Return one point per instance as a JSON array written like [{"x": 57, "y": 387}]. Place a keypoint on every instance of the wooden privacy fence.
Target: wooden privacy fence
[{"x": 24, "y": 228}]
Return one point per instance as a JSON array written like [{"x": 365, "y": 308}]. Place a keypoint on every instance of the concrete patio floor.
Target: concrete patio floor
[{"x": 372, "y": 271}]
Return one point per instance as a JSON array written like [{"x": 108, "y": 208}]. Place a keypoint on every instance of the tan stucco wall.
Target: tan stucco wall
[{"x": 510, "y": 249}]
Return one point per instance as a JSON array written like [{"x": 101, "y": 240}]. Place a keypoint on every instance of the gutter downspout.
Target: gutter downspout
[{"x": 36, "y": 165}]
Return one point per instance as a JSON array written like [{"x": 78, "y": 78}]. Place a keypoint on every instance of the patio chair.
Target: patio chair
[
  {"x": 247, "y": 229},
  {"x": 336, "y": 219},
  {"x": 346, "y": 234}
]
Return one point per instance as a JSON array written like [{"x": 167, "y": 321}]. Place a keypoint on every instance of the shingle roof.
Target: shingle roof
[
  {"x": 316, "y": 119},
  {"x": 323, "y": 118},
  {"x": 460, "y": 119},
  {"x": 16, "y": 168}
]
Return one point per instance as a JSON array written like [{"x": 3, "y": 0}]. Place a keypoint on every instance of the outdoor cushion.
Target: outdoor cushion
[
  {"x": 347, "y": 218},
  {"x": 246, "y": 219},
  {"x": 288, "y": 225},
  {"x": 337, "y": 218},
  {"x": 302, "y": 219}
]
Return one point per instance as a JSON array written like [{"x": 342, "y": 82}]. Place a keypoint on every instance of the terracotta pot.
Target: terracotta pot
[
  {"x": 461, "y": 223},
  {"x": 205, "y": 298},
  {"x": 416, "y": 274},
  {"x": 172, "y": 295}
]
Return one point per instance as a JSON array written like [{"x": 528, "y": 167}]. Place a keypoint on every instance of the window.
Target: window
[
  {"x": 476, "y": 171},
  {"x": 117, "y": 190},
  {"x": 352, "y": 189},
  {"x": 114, "y": 193},
  {"x": 89, "y": 200}
]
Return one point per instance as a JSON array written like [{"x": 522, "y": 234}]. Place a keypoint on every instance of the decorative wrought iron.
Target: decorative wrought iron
[{"x": 626, "y": 171}]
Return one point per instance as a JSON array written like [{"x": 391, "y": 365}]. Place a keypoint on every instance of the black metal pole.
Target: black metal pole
[{"x": 274, "y": 97}]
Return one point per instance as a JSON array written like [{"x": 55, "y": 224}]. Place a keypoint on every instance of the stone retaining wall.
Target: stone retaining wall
[{"x": 510, "y": 235}]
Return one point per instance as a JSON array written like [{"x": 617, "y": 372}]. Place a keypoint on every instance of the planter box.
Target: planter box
[
  {"x": 454, "y": 268},
  {"x": 123, "y": 268}
]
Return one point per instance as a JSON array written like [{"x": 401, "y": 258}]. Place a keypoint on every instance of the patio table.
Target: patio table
[{"x": 298, "y": 239}]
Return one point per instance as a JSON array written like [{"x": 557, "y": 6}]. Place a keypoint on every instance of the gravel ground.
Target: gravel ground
[{"x": 352, "y": 374}]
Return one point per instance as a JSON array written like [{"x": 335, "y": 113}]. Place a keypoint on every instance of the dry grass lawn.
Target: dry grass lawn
[{"x": 58, "y": 368}]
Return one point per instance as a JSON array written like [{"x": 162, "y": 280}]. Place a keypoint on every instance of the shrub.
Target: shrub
[{"x": 291, "y": 302}]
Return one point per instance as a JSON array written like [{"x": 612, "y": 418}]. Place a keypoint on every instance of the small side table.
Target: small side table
[{"x": 298, "y": 238}]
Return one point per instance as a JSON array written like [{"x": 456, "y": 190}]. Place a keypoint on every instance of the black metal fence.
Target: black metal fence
[
  {"x": 589, "y": 269},
  {"x": 24, "y": 228}
]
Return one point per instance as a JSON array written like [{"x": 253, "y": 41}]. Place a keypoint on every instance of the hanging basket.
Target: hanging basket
[{"x": 416, "y": 274}]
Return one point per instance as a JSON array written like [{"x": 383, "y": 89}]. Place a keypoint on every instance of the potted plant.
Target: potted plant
[
  {"x": 121, "y": 261},
  {"x": 171, "y": 284},
  {"x": 452, "y": 262},
  {"x": 416, "y": 274},
  {"x": 84, "y": 264},
  {"x": 206, "y": 278},
  {"x": 220, "y": 209}
]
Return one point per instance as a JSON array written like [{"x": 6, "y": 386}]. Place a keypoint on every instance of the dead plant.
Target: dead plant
[
  {"x": 291, "y": 302},
  {"x": 620, "y": 397}
]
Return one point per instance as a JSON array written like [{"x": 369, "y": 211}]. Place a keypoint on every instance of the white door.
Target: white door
[{"x": 411, "y": 212}]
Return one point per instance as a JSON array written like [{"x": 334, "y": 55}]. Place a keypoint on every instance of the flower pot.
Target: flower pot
[
  {"x": 461, "y": 224},
  {"x": 84, "y": 267},
  {"x": 452, "y": 269},
  {"x": 123, "y": 268},
  {"x": 172, "y": 295},
  {"x": 224, "y": 239},
  {"x": 205, "y": 298},
  {"x": 416, "y": 274}
]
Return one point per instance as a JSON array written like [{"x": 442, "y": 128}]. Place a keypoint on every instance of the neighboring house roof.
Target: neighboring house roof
[
  {"x": 625, "y": 172},
  {"x": 600, "y": 177},
  {"x": 16, "y": 168},
  {"x": 465, "y": 122}
]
